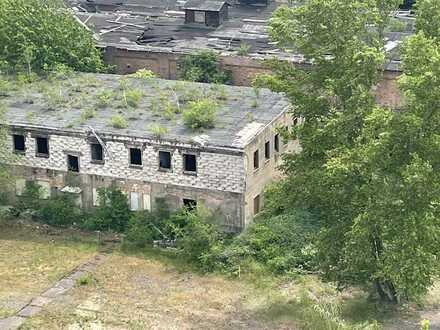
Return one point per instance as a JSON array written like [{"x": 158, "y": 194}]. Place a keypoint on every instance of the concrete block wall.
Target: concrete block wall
[{"x": 216, "y": 171}]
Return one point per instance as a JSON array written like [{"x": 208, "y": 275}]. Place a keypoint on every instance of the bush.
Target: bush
[
  {"x": 112, "y": 213},
  {"x": 281, "y": 244},
  {"x": 117, "y": 121},
  {"x": 200, "y": 114},
  {"x": 202, "y": 67},
  {"x": 196, "y": 235},
  {"x": 30, "y": 198},
  {"x": 143, "y": 74},
  {"x": 59, "y": 211}
]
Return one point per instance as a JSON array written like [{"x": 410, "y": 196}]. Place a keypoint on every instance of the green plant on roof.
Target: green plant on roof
[
  {"x": 117, "y": 121},
  {"x": 87, "y": 114},
  {"x": 143, "y": 74},
  {"x": 54, "y": 97},
  {"x": 5, "y": 87},
  {"x": 132, "y": 97},
  {"x": 244, "y": 48},
  {"x": 103, "y": 98},
  {"x": 200, "y": 114},
  {"x": 158, "y": 131},
  {"x": 219, "y": 92}
]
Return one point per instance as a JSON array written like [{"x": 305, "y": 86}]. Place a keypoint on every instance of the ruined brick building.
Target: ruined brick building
[
  {"x": 81, "y": 133},
  {"x": 155, "y": 34}
]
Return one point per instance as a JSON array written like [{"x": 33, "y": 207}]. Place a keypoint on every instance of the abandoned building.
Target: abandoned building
[
  {"x": 155, "y": 34},
  {"x": 89, "y": 131}
]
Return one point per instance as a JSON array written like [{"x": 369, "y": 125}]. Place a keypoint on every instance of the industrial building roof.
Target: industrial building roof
[
  {"x": 159, "y": 26},
  {"x": 80, "y": 102}
]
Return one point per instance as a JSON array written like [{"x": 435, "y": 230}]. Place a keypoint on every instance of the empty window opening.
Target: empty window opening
[
  {"x": 256, "y": 159},
  {"x": 19, "y": 144},
  {"x": 135, "y": 156},
  {"x": 267, "y": 150},
  {"x": 189, "y": 163},
  {"x": 189, "y": 204},
  {"x": 97, "y": 154},
  {"x": 257, "y": 204},
  {"x": 276, "y": 142},
  {"x": 295, "y": 121},
  {"x": 72, "y": 163},
  {"x": 165, "y": 160},
  {"x": 42, "y": 146}
]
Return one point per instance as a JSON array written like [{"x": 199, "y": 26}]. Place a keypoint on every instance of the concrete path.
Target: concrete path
[{"x": 58, "y": 289}]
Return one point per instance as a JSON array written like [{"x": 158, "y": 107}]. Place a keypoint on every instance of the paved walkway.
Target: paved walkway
[{"x": 58, "y": 289}]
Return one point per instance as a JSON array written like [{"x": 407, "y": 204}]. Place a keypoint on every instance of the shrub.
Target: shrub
[
  {"x": 196, "y": 234},
  {"x": 144, "y": 74},
  {"x": 243, "y": 50},
  {"x": 30, "y": 198},
  {"x": 59, "y": 211},
  {"x": 202, "y": 67},
  {"x": 132, "y": 97},
  {"x": 158, "y": 130},
  {"x": 103, "y": 98},
  {"x": 200, "y": 114},
  {"x": 112, "y": 213},
  {"x": 87, "y": 114},
  {"x": 117, "y": 121}
]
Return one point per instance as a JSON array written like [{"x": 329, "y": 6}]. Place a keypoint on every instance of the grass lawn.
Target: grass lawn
[
  {"x": 157, "y": 290},
  {"x": 31, "y": 259}
]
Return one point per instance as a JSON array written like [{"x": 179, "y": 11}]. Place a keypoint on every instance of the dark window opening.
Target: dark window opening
[
  {"x": 256, "y": 159},
  {"x": 189, "y": 204},
  {"x": 135, "y": 156},
  {"x": 165, "y": 160},
  {"x": 276, "y": 143},
  {"x": 190, "y": 163},
  {"x": 257, "y": 205},
  {"x": 295, "y": 121},
  {"x": 19, "y": 144},
  {"x": 72, "y": 163},
  {"x": 97, "y": 154},
  {"x": 42, "y": 146},
  {"x": 267, "y": 150}
]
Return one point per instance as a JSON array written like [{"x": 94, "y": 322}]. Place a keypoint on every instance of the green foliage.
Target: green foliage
[
  {"x": 144, "y": 74},
  {"x": 39, "y": 35},
  {"x": 362, "y": 168},
  {"x": 203, "y": 67},
  {"x": 200, "y": 114},
  {"x": 112, "y": 213},
  {"x": 59, "y": 211},
  {"x": 244, "y": 48},
  {"x": 196, "y": 234},
  {"x": 158, "y": 130},
  {"x": 30, "y": 198},
  {"x": 85, "y": 279},
  {"x": 428, "y": 18},
  {"x": 87, "y": 114},
  {"x": 104, "y": 98},
  {"x": 132, "y": 97},
  {"x": 117, "y": 121}
]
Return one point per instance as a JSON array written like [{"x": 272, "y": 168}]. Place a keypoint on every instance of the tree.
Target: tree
[
  {"x": 203, "y": 67},
  {"x": 39, "y": 35},
  {"x": 362, "y": 169},
  {"x": 427, "y": 17}
]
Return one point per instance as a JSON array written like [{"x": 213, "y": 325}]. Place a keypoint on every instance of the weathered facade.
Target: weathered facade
[{"x": 216, "y": 167}]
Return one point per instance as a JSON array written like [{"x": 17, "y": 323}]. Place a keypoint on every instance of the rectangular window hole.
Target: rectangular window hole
[
  {"x": 189, "y": 163},
  {"x": 256, "y": 159},
  {"x": 165, "y": 160},
  {"x": 42, "y": 146},
  {"x": 96, "y": 151},
  {"x": 135, "y": 156},
  {"x": 19, "y": 143},
  {"x": 189, "y": 204},
  {"x": 73, "y": 163}
]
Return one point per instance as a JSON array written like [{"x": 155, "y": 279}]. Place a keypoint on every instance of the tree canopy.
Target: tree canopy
[
  {"x": 41, "y": 34},
  {"x": 369, "y": 173}
]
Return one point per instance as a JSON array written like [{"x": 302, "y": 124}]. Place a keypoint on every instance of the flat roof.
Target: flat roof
[
  {"x": 159, "y": 26},
  {"x": 82, "y": 101}
]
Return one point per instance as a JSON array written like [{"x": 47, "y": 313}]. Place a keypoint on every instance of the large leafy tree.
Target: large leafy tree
[
  {"x": 368, "y": 172},
  {"x": 41, "y": 34}
]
